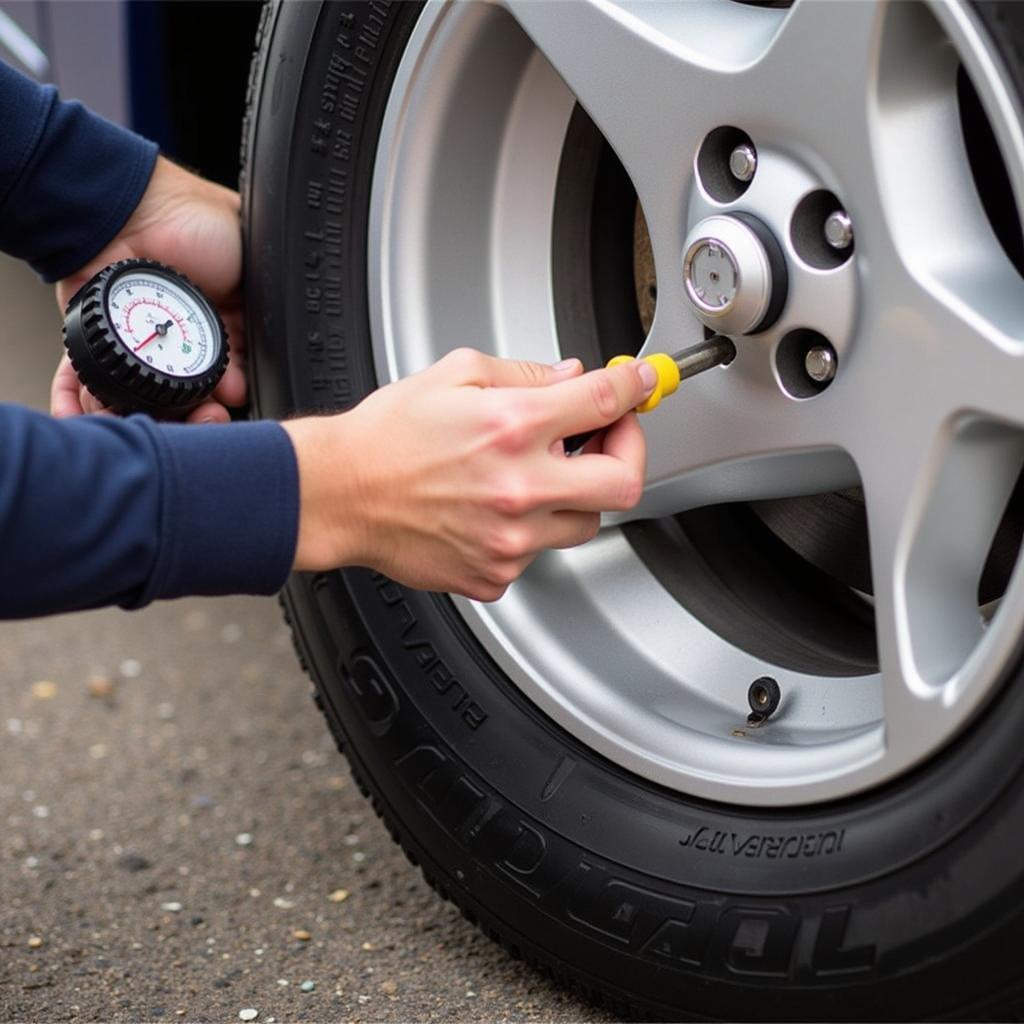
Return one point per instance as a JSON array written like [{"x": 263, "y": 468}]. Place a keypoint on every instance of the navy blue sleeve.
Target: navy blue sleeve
[
  {"x": 69, "y": 179},
  {"x": 99, "y": 510}
]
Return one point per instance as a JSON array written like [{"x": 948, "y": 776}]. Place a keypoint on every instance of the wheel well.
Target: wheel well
[{"x": 188, "y": 67}]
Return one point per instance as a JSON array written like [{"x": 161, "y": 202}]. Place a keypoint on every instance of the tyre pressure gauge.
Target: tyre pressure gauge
[{"x": 143, "y": 338}]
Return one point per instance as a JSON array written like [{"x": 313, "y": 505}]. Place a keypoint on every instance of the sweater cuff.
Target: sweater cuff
[{"x": 229, "y": 509}]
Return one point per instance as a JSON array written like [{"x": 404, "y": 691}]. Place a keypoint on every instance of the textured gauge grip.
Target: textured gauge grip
[{"x": 113, "y": 375}]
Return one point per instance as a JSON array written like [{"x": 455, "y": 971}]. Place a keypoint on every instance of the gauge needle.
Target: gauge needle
[{"x": 161, "y": 330}]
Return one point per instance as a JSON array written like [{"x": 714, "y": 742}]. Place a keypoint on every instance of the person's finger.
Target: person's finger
[
  {"x": 478, "y": 588},
  {"x": 625, "y": 440},
  {"x": 609, "y": 480},
  {"x": 89, "y": 402},
  {"x": 231, "y": 387},
  {"x": 567, "y": 528},
  {"x": 209, "y": 412},
  {"x": 467, "y": 366},
  {"x": 596, "y": 399},
  {"x": 64, "y": 387},
  {"x": 234, "y": 324}
]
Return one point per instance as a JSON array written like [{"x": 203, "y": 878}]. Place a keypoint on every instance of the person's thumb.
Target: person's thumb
[{"x": 600, "y": 397}]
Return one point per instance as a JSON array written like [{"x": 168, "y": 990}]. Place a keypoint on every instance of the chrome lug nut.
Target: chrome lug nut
[
  {"x": 743, "y": 162},
  {"x": 820, "y": 363},
  {"x": 839, "y": 230}
]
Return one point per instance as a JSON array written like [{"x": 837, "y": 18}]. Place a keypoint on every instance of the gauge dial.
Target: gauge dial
[
  {"x": 162, "y": 323},
  {"x": 143, "y": 338}
]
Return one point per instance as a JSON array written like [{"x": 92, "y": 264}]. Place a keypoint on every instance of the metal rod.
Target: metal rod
[{"x": 717, "y": 350}]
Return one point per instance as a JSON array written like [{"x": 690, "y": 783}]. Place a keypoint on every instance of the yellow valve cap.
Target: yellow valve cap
[{"x": 668, "y": 377}]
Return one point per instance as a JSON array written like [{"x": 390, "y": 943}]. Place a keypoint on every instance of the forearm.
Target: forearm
[
  {"x": 69, "y": 179},
  {"x": 99, "y": 511}
]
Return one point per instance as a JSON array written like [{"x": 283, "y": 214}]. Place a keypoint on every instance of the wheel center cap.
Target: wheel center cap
[
  {"x": 728, "y": 274},
  {"x": 712, "y": 276}
]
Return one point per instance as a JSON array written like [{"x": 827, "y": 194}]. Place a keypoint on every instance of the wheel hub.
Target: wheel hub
[{"x": 727, "y": 275}]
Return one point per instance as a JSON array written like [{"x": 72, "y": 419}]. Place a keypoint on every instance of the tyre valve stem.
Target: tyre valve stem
[
  {"x": 763, "y": 696},
  {"x": 718, "y": 350}
]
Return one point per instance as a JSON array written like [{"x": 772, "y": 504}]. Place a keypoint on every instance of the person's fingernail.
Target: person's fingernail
[
  {"x": 206, "y": 419},
  {"x": 648, "y": 375},
  {"x": 566, "y": 365}
]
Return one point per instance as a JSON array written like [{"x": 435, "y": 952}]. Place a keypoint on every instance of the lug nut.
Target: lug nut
[
  {"x": 820, "y": 363},
  {"x": 743, "y": 162},
  {"x": 839, "y": 230}
]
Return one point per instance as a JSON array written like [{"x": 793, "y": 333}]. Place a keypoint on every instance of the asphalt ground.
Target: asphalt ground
[
  {"x": 182, "y": 841},
  {"x": 176, "y": 821}
]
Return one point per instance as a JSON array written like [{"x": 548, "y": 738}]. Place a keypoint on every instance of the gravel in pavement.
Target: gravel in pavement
[{"x": 181, "y": 841}]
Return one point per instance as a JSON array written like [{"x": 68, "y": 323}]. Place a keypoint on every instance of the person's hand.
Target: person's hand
[
  {"x": 454, "y": 479},
  {"x": 193, "y": 226}
]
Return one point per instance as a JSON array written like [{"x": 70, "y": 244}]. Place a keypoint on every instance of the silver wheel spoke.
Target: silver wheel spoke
[
  {"x": 821, "y": 61},
  {"x": 636, "y": 68},
  {"x": 941, "y": 355},
  {"x": 934, "y": 500},
  {"x": 705, "y": 447},
  {"x": 891, "y": 123},
  {"x": 952, "y": 303},
  {"x": 983, "y": 340}
]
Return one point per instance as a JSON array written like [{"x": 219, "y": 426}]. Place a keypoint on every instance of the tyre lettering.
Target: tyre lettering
[
  {"x": 527, "y": 851},
  {"x": 757, "y": 941},
  {"x": 479, "y": 821},
  {"x": 464, "y": 802},
  {"x": 754, "y": 941},
  {"x": 369, "y": 34},
  {"x": 318, "y": 138},
  {"x": 517, "y": 850},
  {"x": 445, "y": 683},
  {"x": 340, "y": 72},
  {"x": 345, "y": 77},
  {"x": 333, "y": 233},
  {"x": 341, "y": 148},
  {"x": 829, "y": 955},
  {"x": 375, "y": 696},
  {"x": 747, "y": 940},
  {"x": 326, "y": 351},
  {"x": 420, "y": 763},
  {"x": 683, "y": 939},
  {"x": 455, "y": 801},
  {"x": 615, "y": 908},
  {"x": 753, "y": 845}
]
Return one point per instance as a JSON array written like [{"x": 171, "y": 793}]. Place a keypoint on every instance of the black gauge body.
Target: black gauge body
[{"x": 143, "y": 338}]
